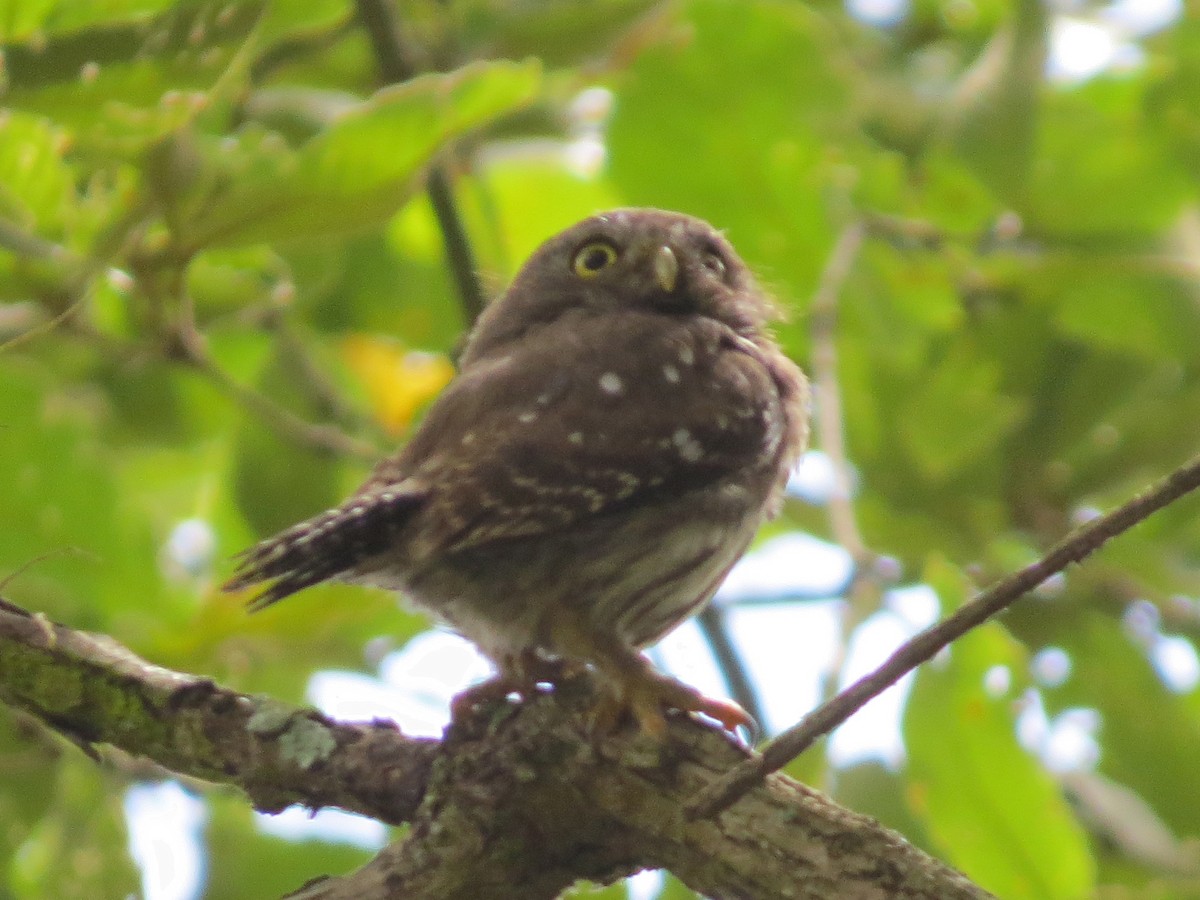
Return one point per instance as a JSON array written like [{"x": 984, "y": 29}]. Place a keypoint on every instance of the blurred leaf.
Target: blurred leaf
[
  {"x": 769, "y": 71},
  {"x": 223, "y": 281},
  {"x": 277, "y": 481},
  {"x": 37, "y": 17},
  {"x": 585, "y": 890},
  {"x": 561, "y": 33},
  {"x": 993, "y": 809},
  {"x": 674, "y": 889},
  {"x": 535, "y": 195},
  {"x": 1131, "y": 312},
  {"x": 78, "y": 848},
  {"x": 1097, "y": 169},
  {"x": 1173, "y": 98},
  {"x": 26, "y": 779},
  {"x": 398, "y": 381},
  {"x": 993, "y": 114},
  {"x": 245, "y": 862},
  {"x": 873, "y": 790},
  {"x": 36, "y": 184},
  {"x": 382, "y": 283},
  {"x": 958, "y": 413},
  {"x": 359, "y": 171},
  {"x": 924, "y": 295},
  {"x": 1150, "y": 735},
  {"x": 118, "y": 85},
  {"x": 61, "y": 506},
  {"x": 122, "y": 107}
]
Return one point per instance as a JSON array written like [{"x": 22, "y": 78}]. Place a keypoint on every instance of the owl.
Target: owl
[{"x": 621, "y": 424}]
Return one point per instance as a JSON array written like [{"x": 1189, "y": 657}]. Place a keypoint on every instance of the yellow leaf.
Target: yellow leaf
[{"x": 399, "y": 381}]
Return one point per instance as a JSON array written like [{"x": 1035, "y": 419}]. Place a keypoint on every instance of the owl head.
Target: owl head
[{"x": 641, "y": 259}]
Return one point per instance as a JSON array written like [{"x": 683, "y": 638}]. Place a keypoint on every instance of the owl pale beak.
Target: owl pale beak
[{"x": 666, "y": 268}]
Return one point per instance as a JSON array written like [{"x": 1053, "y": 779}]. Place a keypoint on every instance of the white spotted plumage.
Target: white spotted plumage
[{"x": 604, "y": 456}]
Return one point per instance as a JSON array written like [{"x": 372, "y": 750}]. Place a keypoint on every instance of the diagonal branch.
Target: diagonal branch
[
  {"x": 94, "y": 691},
  {"x": 189, "y": 348},
  {"x": 1077, "y": 545}
]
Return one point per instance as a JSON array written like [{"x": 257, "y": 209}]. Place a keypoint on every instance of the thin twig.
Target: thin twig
[
  {"x": 32, "y": 246},
  {"x": 823, "y": 327},
  {"x": 41, "y": 558},
  {"x": 79, "y": 271},
  {"x": 322, "y": 438},
  {"x": 458, "y": 246},
  {"x": 71, "y": 309},
  {"x": 832, "y": 439},
  {"x": 715, "y": 628},
  {"x": 395, "y": 56},
  {"x": 908, "y": 233},
  {"x": 1077, "y": 545},
  {"x": 320, "y": 387}
]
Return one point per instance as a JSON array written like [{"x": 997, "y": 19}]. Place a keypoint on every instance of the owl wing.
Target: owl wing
[{"x": 590, "y": 417}]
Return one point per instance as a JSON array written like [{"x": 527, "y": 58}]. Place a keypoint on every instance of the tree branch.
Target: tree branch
[
  {"x": 523, "y": 806},
  {"x": 1077, "y": 545},
  {"x": 517, "y": 801},
  {"x": 91, "y": 689}
]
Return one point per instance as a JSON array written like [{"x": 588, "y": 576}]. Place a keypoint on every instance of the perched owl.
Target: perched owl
[{"x": 622, "y": 423}]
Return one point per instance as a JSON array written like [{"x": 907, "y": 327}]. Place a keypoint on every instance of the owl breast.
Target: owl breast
[{"x": 622, "y": 480}]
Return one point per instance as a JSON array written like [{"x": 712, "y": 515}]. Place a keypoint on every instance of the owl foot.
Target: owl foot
[
  {"x": 645, "y": 695},
  {"x": 519, "y": 674},
  {"x": 631, "y": 686}
]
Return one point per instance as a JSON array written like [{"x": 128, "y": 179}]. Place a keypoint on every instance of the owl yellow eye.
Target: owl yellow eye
[{"x": 594, "y": 257}]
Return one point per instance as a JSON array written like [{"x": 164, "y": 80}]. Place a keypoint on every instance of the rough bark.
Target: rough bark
[
  {"x": 516, "y": 801},
  {"x": 95, "y": 691}
]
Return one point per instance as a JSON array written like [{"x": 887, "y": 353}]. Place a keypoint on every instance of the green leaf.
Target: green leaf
[
  {"x": 1132, "y": 312},
  {"x": 957, "y": 414},
  {"x": 535, "y": 198},
  {"x": 30, "y": 18},
  {"x": 985, "y": 801},
  {"x": 277, "y": 482},
  {"x": 78, "y": 849},
  {"x": 875, "y": 790},
  {"x": 21, "y": 20},
  {"x": 61, "y": 506},
  {"x": 26, "y": 780},
  {"x": 245, "y": 862},
  {"x": 1150, "y": 735},
  {"x": 1098, "y": 168},
  {"x": 992, "y": 114},
  {"x": 730, "y": 121},
  {"x": 674, "y": 889},
  {"x": 559, "y": 33},
  {"x": 36, "y": 184},
  {"x": 360, "y": 170}
]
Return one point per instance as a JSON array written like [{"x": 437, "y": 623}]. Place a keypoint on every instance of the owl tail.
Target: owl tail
[{"x": 324, "y": 546}]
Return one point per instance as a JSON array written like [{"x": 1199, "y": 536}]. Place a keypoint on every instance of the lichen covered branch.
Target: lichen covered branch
[{"x": 91, "y": 689}]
